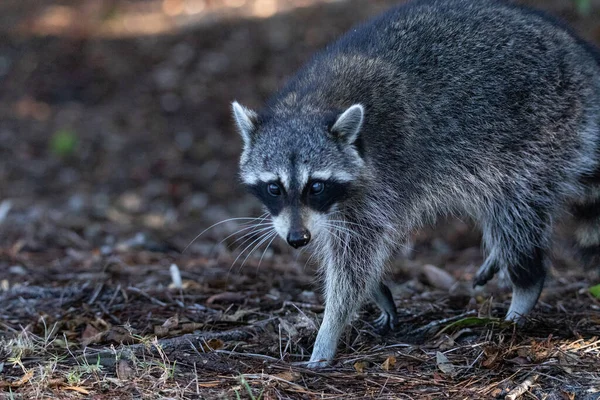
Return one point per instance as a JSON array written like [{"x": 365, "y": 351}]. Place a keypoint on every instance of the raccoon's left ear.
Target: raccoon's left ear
[
  {"x": 348, "y": 124},
  {"x": 245, "y": 119}
]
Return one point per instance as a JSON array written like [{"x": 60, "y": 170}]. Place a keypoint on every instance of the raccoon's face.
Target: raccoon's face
[{"x": 301, "y": 167}]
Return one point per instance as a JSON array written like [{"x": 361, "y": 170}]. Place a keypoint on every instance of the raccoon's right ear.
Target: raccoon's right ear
[
  {"x": 348, "y": 124},
  {"x": 245, "y": 119}
]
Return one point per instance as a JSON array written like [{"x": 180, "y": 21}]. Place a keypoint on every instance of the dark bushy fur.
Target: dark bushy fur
[{"x": 471, "y": 107}]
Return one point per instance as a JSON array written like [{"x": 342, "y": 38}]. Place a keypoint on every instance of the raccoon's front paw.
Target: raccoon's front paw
[
  {"x": 318, "y": 364},
  {"x": 486, "y": 272},
  {"x": 385, "y": 323}
]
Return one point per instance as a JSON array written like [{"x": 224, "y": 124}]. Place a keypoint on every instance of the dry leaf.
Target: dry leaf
[
  {"x": 191, "y": 327},
  {"x": 160, "y": 331},
  {"x": 360, "y": 366},
  {"x": 20, "y": 382},
  {"x": 124, "y": 370},
  {"x": 93, "y": 339},
  {"x": 209, "y": 384},
  {"x": 88, "y": 332},
  {"x": 56, "y": 382},
  {"x": 76, "y": 389},
  {"x": 524, "y": 352},
  {"x": 226, "y": 297},
  {"x": 491, "y": 357},
  {"x": 389, "y": 363},
  {"x": 444, "y": 364},
  {"x": 172, "y": 322},
  {"x": 567, "y": 395},
  {"x": 24, "y": 379},
  {"x": 288, "y": 376},
  {"x": 213, "y": 344},
  {"x": 120, "y": 335},
  {"x": 566, "y": 360}
]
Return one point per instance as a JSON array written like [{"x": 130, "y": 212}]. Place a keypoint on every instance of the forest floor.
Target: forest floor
[{"x": 117, "y": 149}]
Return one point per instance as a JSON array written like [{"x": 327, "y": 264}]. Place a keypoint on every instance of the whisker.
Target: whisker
[
  {"x": 265, "y": 250},
  {"x": 217, "y": 224},
  {"x": 361, "y": 226},
  {"x": 265, "y": 238},
  {"x": 242, "y": 230},
  {"x": 249, "y": 236},
  {"x": 341, "y": 228},
  {"x": 339, "y": 238},
  {"x": 309, "y": 260},
  {"x": 250, "y": 245}
]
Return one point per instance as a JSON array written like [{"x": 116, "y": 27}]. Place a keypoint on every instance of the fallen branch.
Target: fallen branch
[
  {"x": 522, "y": 388},
  {"x": 168, "y": 346}
]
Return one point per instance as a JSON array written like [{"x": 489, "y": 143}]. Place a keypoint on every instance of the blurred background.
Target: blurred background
[{"x": 115, "y": 127}]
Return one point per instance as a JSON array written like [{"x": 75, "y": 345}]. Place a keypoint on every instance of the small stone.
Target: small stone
[
  {"x": 17, "y": 270},
  {"x": 438, "y": 278},
  {"x": 170, "y": 102},
  {"x": 166, "y": 78}
]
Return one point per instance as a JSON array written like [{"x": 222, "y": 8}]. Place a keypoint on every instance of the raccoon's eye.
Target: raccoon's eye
[
  {"x": 317, "y": 187},
  {"x": 274, "y": 189}
]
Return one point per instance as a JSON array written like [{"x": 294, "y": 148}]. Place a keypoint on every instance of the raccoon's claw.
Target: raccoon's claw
[
  {"x": 385, "y": 323},
  {"x": 482, "y": 278},
  {"x": 486, "y": 273}
]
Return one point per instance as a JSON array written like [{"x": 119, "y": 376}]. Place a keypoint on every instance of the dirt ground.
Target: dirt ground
[{"x": 117, "y": 149}]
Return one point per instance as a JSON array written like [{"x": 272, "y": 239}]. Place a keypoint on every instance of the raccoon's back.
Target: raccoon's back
[
  {"x": 475, "y": 47},
  {"x": 441, "y": 79}
]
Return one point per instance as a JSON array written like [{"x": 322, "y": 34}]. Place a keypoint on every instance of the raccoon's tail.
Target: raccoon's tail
[{"x": 586, "y": 214}]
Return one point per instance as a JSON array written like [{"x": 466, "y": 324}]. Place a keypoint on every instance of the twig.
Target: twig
[
  {"x": 522, "y": 388},
  {"x": 253, "y": 355},
  {"x": 96, "y": 293},
  {"x": 146, "y": 295},
  {"x": 436, "y": 324},
  {"x": 176, "y": 344}
]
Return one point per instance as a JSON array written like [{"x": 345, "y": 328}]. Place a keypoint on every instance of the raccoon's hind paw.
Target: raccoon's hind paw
[
  {"x": 317, "y": 364},
  {"x": 523, "y": 301},
  {"x": 486, "y": 272},
  {"x": 385, "y": 323}
]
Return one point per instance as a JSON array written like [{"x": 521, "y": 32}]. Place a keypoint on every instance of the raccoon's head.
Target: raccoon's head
[{"x": 301, "y": 166}]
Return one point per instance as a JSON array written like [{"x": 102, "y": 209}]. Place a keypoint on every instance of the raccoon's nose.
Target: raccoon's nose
[{"x": 298, "y": 238}]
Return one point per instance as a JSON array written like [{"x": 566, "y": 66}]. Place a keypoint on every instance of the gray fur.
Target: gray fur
[{"x": 469, "y": 107}]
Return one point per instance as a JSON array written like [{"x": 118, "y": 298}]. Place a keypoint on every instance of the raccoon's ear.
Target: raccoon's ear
[
  {"x": 348, "y": 124},
  {"x": 245, "y": 119}
]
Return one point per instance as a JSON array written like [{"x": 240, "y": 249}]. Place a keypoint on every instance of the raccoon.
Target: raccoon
[{"x": 475, "y": 108}]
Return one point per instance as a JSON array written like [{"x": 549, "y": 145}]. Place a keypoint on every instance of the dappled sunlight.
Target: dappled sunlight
[{"x": 113, "y": 19}]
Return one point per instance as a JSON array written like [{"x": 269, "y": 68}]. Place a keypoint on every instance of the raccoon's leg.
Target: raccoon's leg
[
  {"x": 344, "y": 294},
  {"x": 350, "y": 277},
  {"x": 384, "y": 300},
  {"x": 488, "y": 269},
  {"x": 586, "y": 216},
  {"x": 518, "y": 237}
]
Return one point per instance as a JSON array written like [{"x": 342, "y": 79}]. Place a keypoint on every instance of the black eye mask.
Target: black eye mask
[
  {"x": 330, "y": 192},
  {"x": 318, "y": 195},
  {"x": 265, "y": 192}
]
